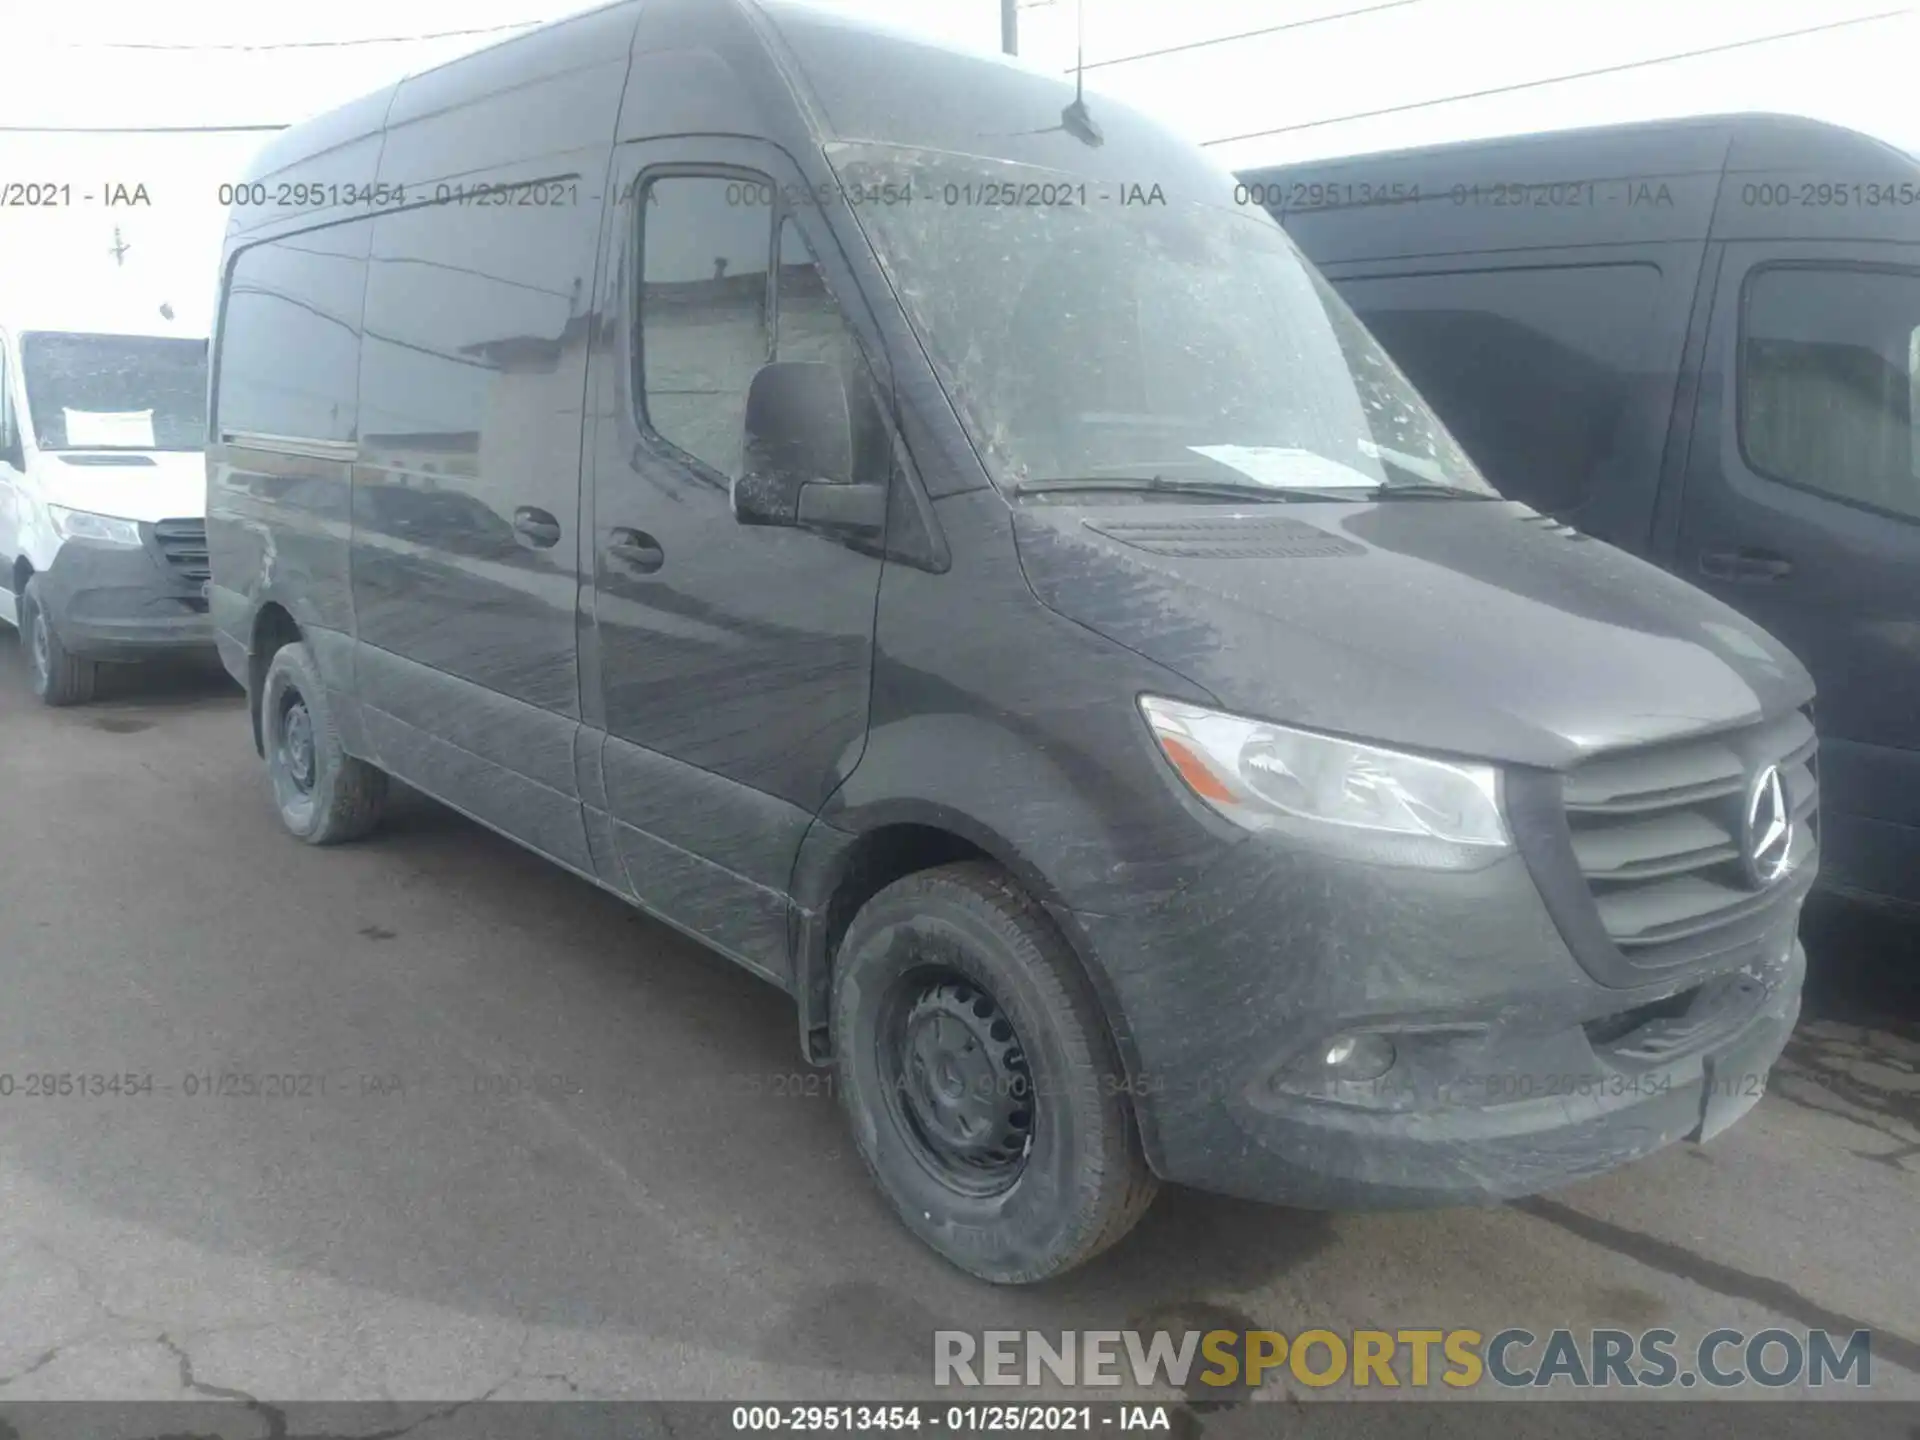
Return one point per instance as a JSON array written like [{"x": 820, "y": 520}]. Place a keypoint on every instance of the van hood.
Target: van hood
[
  {"x": 1470, "y": 627},
  {"x": 134, "y": 485}
]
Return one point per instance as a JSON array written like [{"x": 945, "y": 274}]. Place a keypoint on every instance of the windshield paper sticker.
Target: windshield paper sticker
[
  {"x": 1283, "y": 466},
  {"x": 119, "y": 429}
]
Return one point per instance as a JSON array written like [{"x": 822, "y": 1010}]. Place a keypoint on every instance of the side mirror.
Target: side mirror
[
  {"x": 797, "y": 467},
  {"x": 799, "y": 429}
]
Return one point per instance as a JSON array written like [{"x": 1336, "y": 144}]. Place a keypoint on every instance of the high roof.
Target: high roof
[
  {"x": 855, "y": 79},
  {"x": 1790, "y": 141}
]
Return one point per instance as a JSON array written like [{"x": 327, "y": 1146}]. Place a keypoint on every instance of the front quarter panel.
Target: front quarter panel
[{"x": 1019, "y": 729}]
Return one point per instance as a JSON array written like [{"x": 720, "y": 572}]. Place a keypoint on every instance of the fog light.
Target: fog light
[{"x": 1358, "y": 1057}]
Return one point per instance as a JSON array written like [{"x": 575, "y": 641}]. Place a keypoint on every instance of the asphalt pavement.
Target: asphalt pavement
[{"x": 446, "y": 1122}]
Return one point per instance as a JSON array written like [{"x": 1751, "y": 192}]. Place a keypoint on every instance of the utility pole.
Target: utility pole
[{"x": 1010, "y": 26}]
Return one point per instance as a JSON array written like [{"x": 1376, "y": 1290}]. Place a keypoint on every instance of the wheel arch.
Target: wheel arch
[
  {"x": 838, "y": 871},
  {"x": 273, "y": 627}
]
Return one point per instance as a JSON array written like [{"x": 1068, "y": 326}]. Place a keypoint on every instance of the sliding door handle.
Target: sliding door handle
[
  {"x": 637, "y": 549},
  {"x": 536, "y": 528}
]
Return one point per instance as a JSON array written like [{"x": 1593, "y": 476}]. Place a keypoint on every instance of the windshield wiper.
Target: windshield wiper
[
  {"x": 1427, "y": 490},
  {"x": 1172, "y": 485}
]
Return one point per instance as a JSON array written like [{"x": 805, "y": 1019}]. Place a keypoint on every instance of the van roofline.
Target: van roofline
[
  {"x": 1733, "y": 125},
  {"x": 366, "y": 119}
]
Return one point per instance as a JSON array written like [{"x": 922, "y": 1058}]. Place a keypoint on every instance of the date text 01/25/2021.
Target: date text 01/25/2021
[{"x": 952, "y": 1419}]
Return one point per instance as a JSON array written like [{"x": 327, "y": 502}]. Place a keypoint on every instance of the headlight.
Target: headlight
[
  {"x": 1376, "y": 804},
  {"x": 83, "y": 525}
]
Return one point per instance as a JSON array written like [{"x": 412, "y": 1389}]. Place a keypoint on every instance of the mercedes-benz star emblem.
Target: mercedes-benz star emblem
[{"x": 1767, "y": 843}]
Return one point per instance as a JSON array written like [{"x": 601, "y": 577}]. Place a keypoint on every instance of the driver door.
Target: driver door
[{"x": 728, "y": 665}]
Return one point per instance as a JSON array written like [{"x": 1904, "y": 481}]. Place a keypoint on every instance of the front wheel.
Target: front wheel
[
  {"x": 57, "y": 677},
  {"x": 324, "y": 795},
  {"x": 977, "y": 1073}
]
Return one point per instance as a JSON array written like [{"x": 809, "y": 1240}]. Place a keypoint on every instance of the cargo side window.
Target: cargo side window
[
  {"x": 706, "y": 320},
  {"x": 1533, "y": 370},
  {"x": 289, "y": 361},
  {"x": 1830, "y": 383}
]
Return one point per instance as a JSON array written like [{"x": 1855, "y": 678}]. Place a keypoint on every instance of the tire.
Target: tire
[
  {"x": 324, "y": 795},
  {"x": 57, "y": 677},
  {"x": 918, "y": 963}
]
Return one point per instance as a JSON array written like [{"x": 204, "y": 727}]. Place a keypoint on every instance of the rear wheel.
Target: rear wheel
[
  {"x": 324, "y": 795},
  {"x": 976, "y": 1070},
  {"x": 57, "y": 677}
]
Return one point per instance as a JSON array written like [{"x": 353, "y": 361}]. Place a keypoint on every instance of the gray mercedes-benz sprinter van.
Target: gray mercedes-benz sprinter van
[
  {"x": 1699, "y": 340},
  {"x": 910, "y": 529}
]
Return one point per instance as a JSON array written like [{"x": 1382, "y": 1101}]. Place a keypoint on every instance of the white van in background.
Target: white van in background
[{"x": 103, "y": 549}]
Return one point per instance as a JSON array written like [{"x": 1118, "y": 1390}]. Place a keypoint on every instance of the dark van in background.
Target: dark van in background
[
  {"x": 838, "y": 494},
  {"x": 1699, "y": 340}
]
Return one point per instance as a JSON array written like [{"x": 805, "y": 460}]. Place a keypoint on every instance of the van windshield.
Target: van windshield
[
  {"x": 1090, "y": 331},
  {"x": 115, "y": 392}
]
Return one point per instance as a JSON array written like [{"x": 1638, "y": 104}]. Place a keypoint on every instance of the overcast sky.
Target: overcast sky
[{"x": 1344, "y": 76}]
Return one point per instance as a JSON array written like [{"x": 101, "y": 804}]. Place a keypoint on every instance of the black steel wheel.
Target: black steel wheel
[
  {"x": 983, "y": 1088},
  {"x": 957, "y": 1080},
  {"x": 323, "y": 794}
]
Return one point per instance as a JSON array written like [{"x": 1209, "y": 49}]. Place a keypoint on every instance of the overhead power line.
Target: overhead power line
[
  {"x": 1245, "y": 35},
  {"x": 1562, "y": 79},
  {"x": 134, "y": 129}
]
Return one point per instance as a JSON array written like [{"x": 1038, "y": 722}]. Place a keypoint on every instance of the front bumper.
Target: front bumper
[
  {"x": 113, "y": 602},
  {"x": 1515, "y": 1071}
]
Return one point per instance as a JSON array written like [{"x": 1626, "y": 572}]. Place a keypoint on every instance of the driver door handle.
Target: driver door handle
[{"x": 1746, "y": 566}]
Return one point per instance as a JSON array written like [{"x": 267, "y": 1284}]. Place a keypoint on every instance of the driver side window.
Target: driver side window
[
  {"x": 706, "y": 321},
  {"x": 728, "y": 284}
]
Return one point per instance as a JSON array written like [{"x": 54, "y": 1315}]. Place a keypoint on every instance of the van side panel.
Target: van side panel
[
  {"x": 285, "y": 418},
  {"x": 466, "y": 494}
]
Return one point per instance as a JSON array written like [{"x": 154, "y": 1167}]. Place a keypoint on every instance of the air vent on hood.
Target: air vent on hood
[
  {"x": 1239, "y": 538},
  {"x": 1549, "y": 524},
  {"x": 106, "y": 460}
]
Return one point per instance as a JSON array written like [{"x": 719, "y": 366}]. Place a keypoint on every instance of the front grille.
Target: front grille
[
  {"x": 1641, "y": 860},
  {"x": 1658, "y": 833},
  {"x": 183, "y": 548}
]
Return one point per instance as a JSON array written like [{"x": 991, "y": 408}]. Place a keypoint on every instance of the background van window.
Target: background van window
[
  {"x": 1532, "y": 370},
  {"x": 1830, "y": 383}
]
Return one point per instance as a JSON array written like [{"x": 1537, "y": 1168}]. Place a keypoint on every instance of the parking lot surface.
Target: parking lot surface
[{"x": 446, "y": 1122}]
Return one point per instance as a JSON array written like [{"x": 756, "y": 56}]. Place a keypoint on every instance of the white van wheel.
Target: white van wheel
[{"x": 57, "y": 677}]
